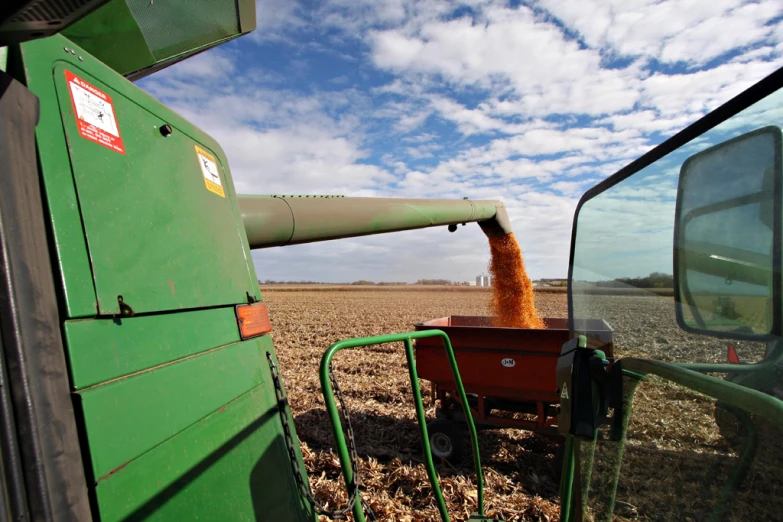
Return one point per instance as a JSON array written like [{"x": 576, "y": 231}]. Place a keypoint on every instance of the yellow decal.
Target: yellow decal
[{"x": 210, "y": 171}]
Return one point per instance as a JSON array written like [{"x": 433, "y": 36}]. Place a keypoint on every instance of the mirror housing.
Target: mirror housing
[{"x": 727, "y": 238}]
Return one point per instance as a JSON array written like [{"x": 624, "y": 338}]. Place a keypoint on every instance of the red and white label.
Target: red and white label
[{"x": 94, "y": 114}]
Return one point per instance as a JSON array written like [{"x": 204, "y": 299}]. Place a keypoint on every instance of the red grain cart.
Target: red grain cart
[{"x": 508, "y": 374}]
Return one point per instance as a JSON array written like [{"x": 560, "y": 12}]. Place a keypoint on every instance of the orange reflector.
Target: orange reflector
[
  {"x": 253, "y": 320},
  {"x": 732, "y": 356}
]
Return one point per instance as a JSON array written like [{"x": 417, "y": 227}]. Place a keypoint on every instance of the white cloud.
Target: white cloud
[
  {"x": 701, "y": 91},
  {"x": 538, "y": 70},
  {"x": 479, "y": 120},
  {"x": 572, "y": 188},
  {"x": 275, "y": 19},
  {"x": 212, "y": 65},
  {"x": 646, "y": 121},
  {"x": 275, "y": 141},
  {"x": 407, "y": 116},
  {"x": 692, "y": 31},
  {"x": 498, "y": 102},
  {"x": 511, "y": 49}
]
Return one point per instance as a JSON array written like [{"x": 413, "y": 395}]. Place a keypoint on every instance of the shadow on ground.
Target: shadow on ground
[{"x": 524, "y": 458}]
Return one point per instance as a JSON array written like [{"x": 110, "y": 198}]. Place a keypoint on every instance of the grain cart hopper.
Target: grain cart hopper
[
  {"x": 136, "y": 376},
  {"x": 508, "y": 374}
]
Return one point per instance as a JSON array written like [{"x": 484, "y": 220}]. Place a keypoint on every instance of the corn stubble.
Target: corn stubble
[
  {"x": 520, "y": 484},
  {"x": 512, "y": 303}
]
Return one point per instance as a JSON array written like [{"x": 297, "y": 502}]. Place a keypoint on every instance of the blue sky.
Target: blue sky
[{"x": 527, "y": 102}]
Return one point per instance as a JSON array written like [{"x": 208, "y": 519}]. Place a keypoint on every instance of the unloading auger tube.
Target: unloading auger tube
[{"x": 290, "y": 220}]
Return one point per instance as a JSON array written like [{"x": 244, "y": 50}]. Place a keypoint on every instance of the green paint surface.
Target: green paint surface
[
  {"x": 75, "y": 275},
  {"x": 164, "y": 402},
  {"x": 127, "y": 417},
  {"x": 235, "y": 468},
  {"x": 103, "y": 349},
  {"x": 157, "y": 236},
  {"x": 113, "y": 32},
  {"x": 141, "y": 224},
  {"x": 137, "y": 37}
]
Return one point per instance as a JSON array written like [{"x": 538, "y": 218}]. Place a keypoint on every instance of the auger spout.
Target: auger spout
[{"x": 290, "y": 220}]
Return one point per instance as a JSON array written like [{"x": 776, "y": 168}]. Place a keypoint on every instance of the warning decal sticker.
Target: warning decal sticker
[
  {"x": 210, "y": 171},
  {"x": 94, "y": 114}
]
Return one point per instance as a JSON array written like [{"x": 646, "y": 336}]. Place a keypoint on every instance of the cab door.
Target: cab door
[{"x": 681, "y": 254}]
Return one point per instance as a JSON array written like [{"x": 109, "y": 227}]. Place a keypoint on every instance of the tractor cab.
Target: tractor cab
[{"x": 685, "y": 433}]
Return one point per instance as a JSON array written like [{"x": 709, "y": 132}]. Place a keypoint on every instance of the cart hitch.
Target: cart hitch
[{"x": 587, "y": 389}]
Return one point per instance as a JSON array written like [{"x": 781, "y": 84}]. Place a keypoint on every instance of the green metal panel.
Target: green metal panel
[
  {"x": 105, "y": 349},
  {"x": 75, "y": 276},
  {"x": 126, "y": 417},
  {"x": 185, "y": 248},
  {"x": 137, "y": 37},
  {"x": 235, "y": 468},
  {"x": 113, "y": 30},
  {"x": 156, "y": 431},
  {"x": 189, "y": 247}
]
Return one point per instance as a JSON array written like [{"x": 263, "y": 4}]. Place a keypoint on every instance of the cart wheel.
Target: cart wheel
[{"x": 446, "y": 440}]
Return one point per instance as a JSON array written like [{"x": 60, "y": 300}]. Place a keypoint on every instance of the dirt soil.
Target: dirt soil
[
  {"x": 669, "y": 422},
  {"x": 518, "y": 467}
]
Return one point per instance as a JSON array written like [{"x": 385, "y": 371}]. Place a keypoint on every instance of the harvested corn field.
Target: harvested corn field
[
  {"x": 519, "y": 478},
  {"x": 519, "y": 474}
]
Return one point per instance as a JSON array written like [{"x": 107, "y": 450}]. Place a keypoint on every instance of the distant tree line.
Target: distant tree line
[
  {"x": 273, "y": 282},
  {"x": 551, "y": 282},
  {"x": 439, "y": 282},
  {"x": 654, "y": 280},
  {"x": 364, "y": 282},
  {"x": 382, "y": 283}
]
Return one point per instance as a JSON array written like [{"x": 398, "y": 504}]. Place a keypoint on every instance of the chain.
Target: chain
[
  {"x": 351, "y": 440},
  {"x": 304, "y": 487}
]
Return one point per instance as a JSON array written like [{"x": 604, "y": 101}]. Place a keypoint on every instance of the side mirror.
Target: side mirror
[{"x": 727, "y": 238}]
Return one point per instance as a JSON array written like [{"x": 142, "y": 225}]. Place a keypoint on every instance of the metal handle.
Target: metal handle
[{"x": 339, "y": 436}]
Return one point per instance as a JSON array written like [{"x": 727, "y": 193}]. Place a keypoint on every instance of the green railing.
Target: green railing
[
  {"x": 742, "y": 401},
  {"x": 747, "y": 399},
  {"x": 339, "y": 435},
  {"x": 768, "y": 363}
]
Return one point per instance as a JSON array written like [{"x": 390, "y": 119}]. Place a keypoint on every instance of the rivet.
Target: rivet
[
  {"x": 81, "y": 59},
  {"x": 73, "y": 52},
  {"x": 66, "y": 49}
]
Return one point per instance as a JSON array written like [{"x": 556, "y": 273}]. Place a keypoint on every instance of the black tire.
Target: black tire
[{"x": 446, "y": 440}]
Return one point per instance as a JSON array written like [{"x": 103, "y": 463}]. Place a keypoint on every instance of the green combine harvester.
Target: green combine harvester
[{"x": 138, "y": 380}]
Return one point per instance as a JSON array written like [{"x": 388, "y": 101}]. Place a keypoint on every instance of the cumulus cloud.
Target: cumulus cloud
[
  {"x": 690, "y": 31},
  {"x": 529, "y": 103}
]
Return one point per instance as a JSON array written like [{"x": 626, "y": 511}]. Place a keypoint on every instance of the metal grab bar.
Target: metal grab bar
[{"x": 339, "y": 435}]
